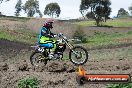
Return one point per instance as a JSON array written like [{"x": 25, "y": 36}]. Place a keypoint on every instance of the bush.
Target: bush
[
  {"x": 28, "y": 83},
  {"x": 79, "y": 34},
  {"x": 128, "y": 85}
]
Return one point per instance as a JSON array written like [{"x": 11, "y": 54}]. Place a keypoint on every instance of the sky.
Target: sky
[{"x": 69, "y": 8}]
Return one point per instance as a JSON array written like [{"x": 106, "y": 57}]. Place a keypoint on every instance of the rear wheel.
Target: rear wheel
[
  {"x": 78, "y": 55},
  {"x": 37, "y": 59}
]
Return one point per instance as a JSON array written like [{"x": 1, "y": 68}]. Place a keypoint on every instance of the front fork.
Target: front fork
[{"x": 71, "y": 48}]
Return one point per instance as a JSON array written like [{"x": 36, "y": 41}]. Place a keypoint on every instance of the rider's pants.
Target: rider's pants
[{"x": 47, "y": 42}]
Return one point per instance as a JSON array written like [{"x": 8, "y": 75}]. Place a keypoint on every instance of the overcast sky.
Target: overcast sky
[{"x": 69, "y": 8}]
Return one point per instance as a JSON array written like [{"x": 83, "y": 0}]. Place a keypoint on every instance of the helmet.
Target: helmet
[{"x": 48, "y": 23}]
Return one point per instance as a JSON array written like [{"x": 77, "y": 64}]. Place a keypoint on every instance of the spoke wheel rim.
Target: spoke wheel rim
[
  {"x": 80, "y": 58},
  {"x": 37, "y": 59}
]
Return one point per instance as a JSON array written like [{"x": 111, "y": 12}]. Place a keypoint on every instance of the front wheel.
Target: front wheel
[{"x": 78, "y": 55}]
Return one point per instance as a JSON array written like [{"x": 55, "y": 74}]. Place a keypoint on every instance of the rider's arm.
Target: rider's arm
[
  {"x": 52, "y": 34},
  {"x": 47, "y": 33},
  {"x": 44, "y": 32}
]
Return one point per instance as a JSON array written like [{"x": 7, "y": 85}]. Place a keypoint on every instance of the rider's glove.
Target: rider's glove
[
  {"x": 50, "y": 36},
  {"x": 55, "y": 35},
  {"x": 60, "y": 34}
]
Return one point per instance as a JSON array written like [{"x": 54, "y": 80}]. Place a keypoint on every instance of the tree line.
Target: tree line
[
  {"x": 32, "y": 6},
  {"x": 99, "y": 10}
]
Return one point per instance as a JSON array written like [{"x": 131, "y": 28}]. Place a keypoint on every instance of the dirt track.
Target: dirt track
[{"x": 55, "y": 74}]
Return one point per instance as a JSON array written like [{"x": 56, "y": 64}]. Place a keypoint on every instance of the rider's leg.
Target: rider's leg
[
  {"x": 49, "y": 46},
  {"x": 48, "y": 42},
  {"x": 43, "y": 40},
  {"x": 54, "y": 45}
]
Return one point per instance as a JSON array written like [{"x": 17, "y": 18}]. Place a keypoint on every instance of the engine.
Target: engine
[{"x": 60, "y": 46}]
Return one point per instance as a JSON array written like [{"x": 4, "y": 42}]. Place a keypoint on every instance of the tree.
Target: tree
[
  {"x": 130, "y": 9},
  {"x": 31, "y": 7},
  {"x": 40, "y": 14},
  {"x": 99, "y": 10},
  {"x": 0, "y": 13},
  {"x": 52, "y": 9},
  {"x": 3, "y": 0},
  {"x": 18, "y": 8},
  {"x": 122, "y": 13},
  {"x": 80, "y": 34}
]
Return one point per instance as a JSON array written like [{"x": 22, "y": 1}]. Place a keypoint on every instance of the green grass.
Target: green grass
[
  {"x": 110, "y": 54},
  {"x": 125, "y": 85},
  {"x": 30, "y": 82},
  {"x": 118, "y": 24},
  {"x": 114, "y": 23},
  {"x": 12, "y": 18},
  {"x": 106, "y": 39},
  {"x": 66, "y": 56},
  {"x": 97, "y": 40},
  {"x": 86, "y": 23},
  {"x": 26, "y": 36}
]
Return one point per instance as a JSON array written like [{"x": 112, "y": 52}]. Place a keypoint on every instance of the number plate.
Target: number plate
[{"x": 41, "y": 49}]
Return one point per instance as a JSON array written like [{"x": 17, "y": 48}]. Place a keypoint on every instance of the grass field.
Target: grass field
[
  {"x": 114, "y": 23},
  {"x": 106, "y": 39},
  {"x": 98, "y": 39},
  {"x": 11, "y": 18},
  {"x": 26, "y": 36}
]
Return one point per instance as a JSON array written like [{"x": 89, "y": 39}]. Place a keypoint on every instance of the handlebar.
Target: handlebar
[
  {"x": 74, "y": 40},
  {"x": 61, "y": 35}
]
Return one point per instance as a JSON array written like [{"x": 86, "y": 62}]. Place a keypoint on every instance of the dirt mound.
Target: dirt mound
[
  {"x": 61, "y": 67},
  {"x": 57, "y": 67},
  {"x": 3, "y": 66},
  {"x": 51, "y": 66},
  {"x": 23, "y": 66}
]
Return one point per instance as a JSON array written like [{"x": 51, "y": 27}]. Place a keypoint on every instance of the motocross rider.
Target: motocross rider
[{"x": 46, "y": 37}]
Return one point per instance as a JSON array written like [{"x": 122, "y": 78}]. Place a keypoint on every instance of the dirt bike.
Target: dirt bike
[{"x": 77, "y": 54}]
